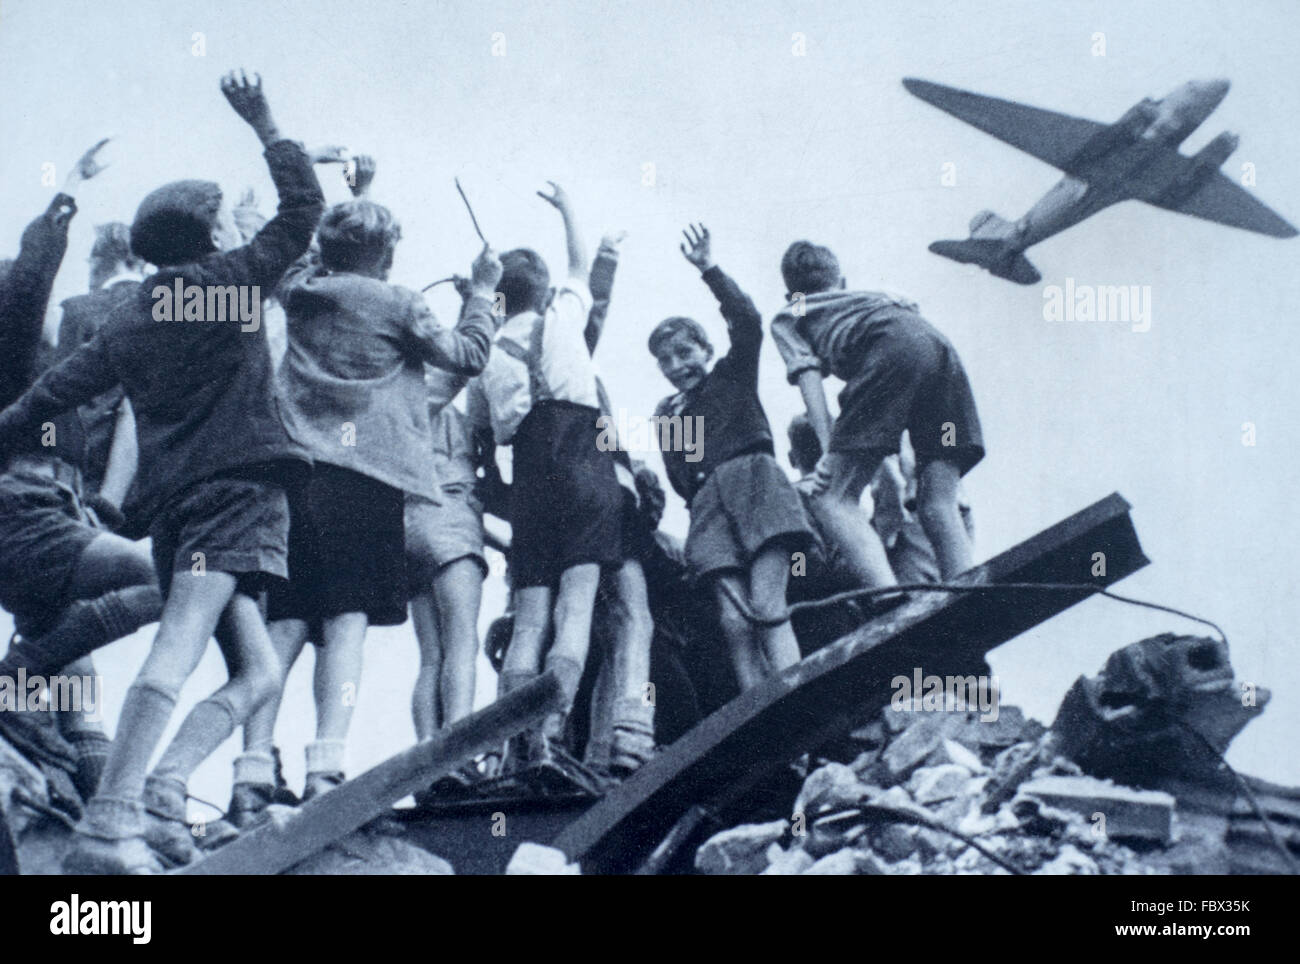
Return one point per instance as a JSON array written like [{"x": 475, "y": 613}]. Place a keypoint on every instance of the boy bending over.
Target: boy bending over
[{"x": 900, "y": 373}]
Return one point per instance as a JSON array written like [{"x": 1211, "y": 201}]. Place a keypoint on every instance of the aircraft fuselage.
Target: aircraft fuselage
[{"x": 1117, "y": 163}]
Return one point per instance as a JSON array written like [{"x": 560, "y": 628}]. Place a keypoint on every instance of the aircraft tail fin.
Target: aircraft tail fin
[{"x": 994, "y": 254}]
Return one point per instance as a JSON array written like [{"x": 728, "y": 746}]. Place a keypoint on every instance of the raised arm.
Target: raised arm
[
  {"x": 286, "y": 236},
  {"x": 25, "y": 290},
  {"x": 602, "y": 287},
  {"x": 744, "y": 323},
  {"x": 463, "y": 349},
  {"x": 559, "y": 200}
]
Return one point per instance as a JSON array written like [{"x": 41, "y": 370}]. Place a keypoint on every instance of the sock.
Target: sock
[
  {"x": 510, "y": 680},
  {"x": 569, "y": 673},
  {"x": 144, "y": 717},
  {"x": 209, "y": 724},
  {"x": 255, "y": 767},
  {"x": 112, "y": 818},
  {"x": 84, "y": 627},
  {"x": 325, "y": 756}
]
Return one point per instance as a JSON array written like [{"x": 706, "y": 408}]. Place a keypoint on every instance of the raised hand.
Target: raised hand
[
  {"x": 486, "y": 272},
  {"x": 464, "y": 287},
  {"x": 557, "y": 199},
  {"x": 358, "y": 173},
  {"x": 698, "y": 249},
  {"x": 249, "y": 102},
  {"x": 87, "y": 166}
]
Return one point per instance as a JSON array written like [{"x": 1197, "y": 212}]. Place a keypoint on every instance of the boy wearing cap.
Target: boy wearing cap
[{"x": 214, "y": 457}]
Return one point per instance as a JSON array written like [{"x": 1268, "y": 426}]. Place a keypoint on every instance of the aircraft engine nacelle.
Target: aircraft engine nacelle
[{"x": 1212, "y": 155}]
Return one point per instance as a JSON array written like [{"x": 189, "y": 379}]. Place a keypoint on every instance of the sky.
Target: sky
[{"x": 771, "y": 122}]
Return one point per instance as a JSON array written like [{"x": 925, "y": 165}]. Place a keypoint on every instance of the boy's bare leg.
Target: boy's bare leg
[
  {"x": 194, "y": 605},
  {"x": 425, "y": 711},
  {"x": 523, "y": 659},
  {"x": 936, "y": 507},
  {"x": 336, "y": 683},
  {"x": 574, "y": 605},
  {"x": 622, "y": 718},
  {"x": 458, "y": 589},
  {"x": 288, "y": 636},
  {"x": 839, "y": 511},
  {"x": 739, "y": 634},
  {"x": 768, "y": 574},
  {"x": 110, "y": 562}
]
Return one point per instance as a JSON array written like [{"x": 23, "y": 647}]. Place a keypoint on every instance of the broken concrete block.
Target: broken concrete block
[
  {"x": 935, "y": 784},
  {"x": 831, "y": 833},
  {"x": 740, "y": 850},
  {"x": 910, "y": 749},
  {"x": 950, "y": 751},
  {"x": 533, "y": 859},
  {"x": 831, "y": 787},
  {"x": 1145, "y": 814},
  {"x": 871, "y": 734},
  {"x": 1012, "y": 767},
  {"x": 787, "y": 863}
]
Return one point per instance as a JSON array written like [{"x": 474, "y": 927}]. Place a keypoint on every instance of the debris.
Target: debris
[
  {"x": 740, "y": 850},
  {"x": 1147, "y": 717},
  {"x": 787, "y": 863},
  {"x": 366, "y": 852},
  {"x": 950, "y": 751},
  {"x": 534, "y": 860},
  {"x": 831, "y": 787},
  {"x": 1144, "y": 814},
  {"x": 938, "y": 783}
]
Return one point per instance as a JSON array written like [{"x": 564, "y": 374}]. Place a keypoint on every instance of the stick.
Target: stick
[
  {"x": 440, "y": 281},
  {"x": 477, "y": 230}
]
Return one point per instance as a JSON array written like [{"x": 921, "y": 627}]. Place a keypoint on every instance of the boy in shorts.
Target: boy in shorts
[
  {"x": 900, "y": 373},
  {"x": 213, "y": 458},
  {"x": 538, "y": 395},
  {"x": 746, "y": 518}
]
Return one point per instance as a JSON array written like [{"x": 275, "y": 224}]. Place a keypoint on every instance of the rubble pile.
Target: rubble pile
[{"x": 963, "y": 791}]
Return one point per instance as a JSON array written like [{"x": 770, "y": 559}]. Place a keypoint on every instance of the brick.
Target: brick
[{"x": 1144, "y": 814}]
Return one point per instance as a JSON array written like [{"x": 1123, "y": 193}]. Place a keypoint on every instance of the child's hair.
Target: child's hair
[
  {"x": 671, "y": 326},
  {"x": 357, "y": 235},
  {"x": 113, "y": 247},
  {"x": 805, "y": 447},
  {"x": 525, "y": 280},
  {"x": 809, "y": 268},
  {"x": 173, "y": 224}
]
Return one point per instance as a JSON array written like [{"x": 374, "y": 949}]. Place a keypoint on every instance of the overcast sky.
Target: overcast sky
[{"x": 766, "y": 146}]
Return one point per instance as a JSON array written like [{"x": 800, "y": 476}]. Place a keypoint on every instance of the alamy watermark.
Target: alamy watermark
[
  {"x": 644, "y": 434},
  {"x": 919, "y": 693},
  {"x": 1128, "y": 304},
  {"x": 182, "y": 302},
  {"x": 48, "y": 694}
]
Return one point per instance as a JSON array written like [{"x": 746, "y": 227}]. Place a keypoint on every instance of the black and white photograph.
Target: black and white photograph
[{"x": 649, "y": 438}]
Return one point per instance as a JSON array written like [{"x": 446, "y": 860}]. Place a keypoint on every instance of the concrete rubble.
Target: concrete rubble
[{"x": 916, "y": 791}]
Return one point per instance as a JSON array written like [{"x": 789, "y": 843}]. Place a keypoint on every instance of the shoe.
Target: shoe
[
  {"x": 216, "y": 834},
  {"x": 248, "y": 803},
  {"x": 633, "y": 742},
  {"x": 281, "y": 794},
  {"x": 166, "y": 825},
  {"x": 97, "y": 856},
  {"x": 318, "y": 783},
  {"x": 110, "y": 840}
]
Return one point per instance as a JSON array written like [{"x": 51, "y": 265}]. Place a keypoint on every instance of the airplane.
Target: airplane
[{"x": 1136, "y": 157}]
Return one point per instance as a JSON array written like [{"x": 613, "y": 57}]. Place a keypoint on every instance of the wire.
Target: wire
[{"x": 876, "y": 592}]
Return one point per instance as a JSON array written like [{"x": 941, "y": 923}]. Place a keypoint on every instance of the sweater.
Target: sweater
[
  {"x": 726, "y": 399},
  {"x": 203, "y": 391}
]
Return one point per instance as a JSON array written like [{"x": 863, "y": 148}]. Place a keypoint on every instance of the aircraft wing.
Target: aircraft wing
[
  {"x": 1047, "y": 135},
  {"x": 1222, "y": 200}
]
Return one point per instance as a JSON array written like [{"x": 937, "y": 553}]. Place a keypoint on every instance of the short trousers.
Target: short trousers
[
  {"x": 225, "y": 523},
  {"x": 565, "y": 502},
  {"x": 745, "y": 504},
  {"x": 42, "y": 537},
  {"x": 910, "y": 377},
  {"x": 347, "y": 547},
  {"x": 438, "y": 534}
]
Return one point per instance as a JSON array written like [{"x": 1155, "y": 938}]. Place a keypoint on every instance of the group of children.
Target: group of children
[{"x": 303, "y": 492}]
